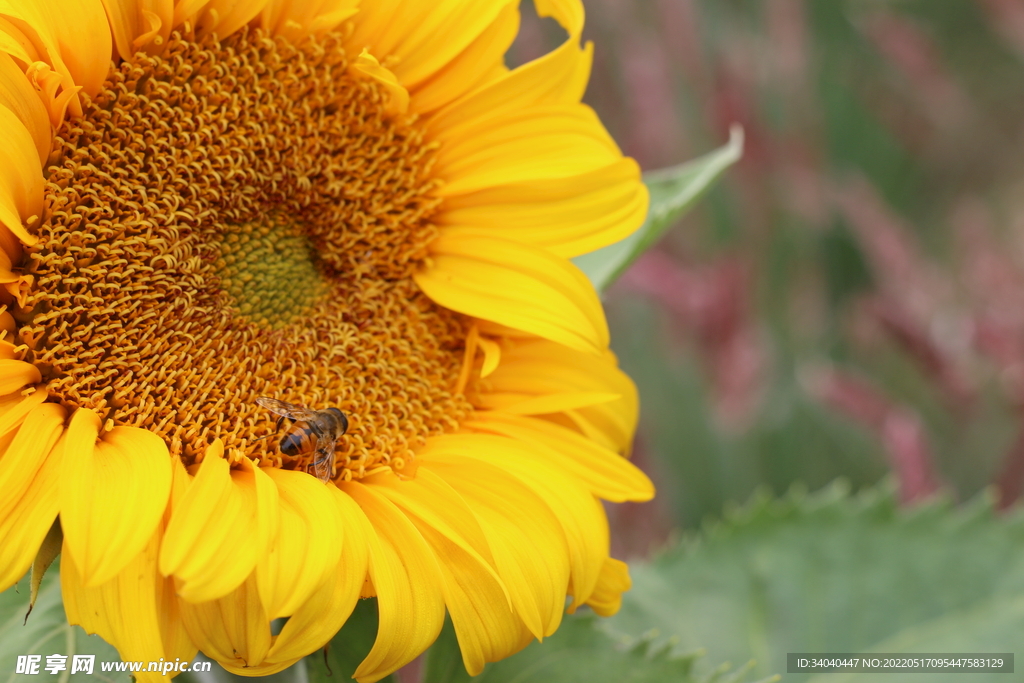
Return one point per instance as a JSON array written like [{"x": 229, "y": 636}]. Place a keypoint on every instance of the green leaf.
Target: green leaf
[
  {"x": 347, "y": 649},
  {"x": 993, "y": 626},
  {"x": 579, "y": 652},
  {"x": 831, "y": 573},
  {"x": 673, "y": 192},
  {"x": 46, "y": 632}
]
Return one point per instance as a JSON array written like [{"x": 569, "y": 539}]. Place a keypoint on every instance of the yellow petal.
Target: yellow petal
[
  {"x": 128, "y": 610},
  {"x": 613, "y": 582},
  {"x": 568, "y": 216},
  {"x": 180, "y": 482},
  {"x": 17, "y": 94},
  {"x": 7, "y": 276},
  {"x": 534, "y": 368},
  {"x": 82, "y": 35},
  {"x": 525, "y": 161},
  {"x": 383, "y": 26},
  {"x": 428, "y": 49},
  {"x": 13, "y": 410},
  {"x": 139, "y": 24},
  {"x": 224, "y": 17},
  {"x": 595, "y": 425},
  {"x": 429, "y": 501},
  {"x": 331, "y": 14},
  {"x": 492, "y": 356},
  {"x": 172, "y": 629},
  {"x": 307, "y": 548},
  {"x": 559, "y": 77},
  {"x": 521, "y": 403},
  {"x": 481, "y": 61},
  {"x": 476, "y": 598},
  {"x": 29, "y": 470},
  {"x": 323, "y": 615},
  {"x": 187, "y": 10},
  {"x": 7, "y": 323},
  {"x": 294, "y": 19},
  {"x": 16, "y": 43},
  {"x": 112, "y": 494},
  {"x": 21, "y": 195},
  {"x": 426, "y": 36},
  {"x": 234, "y": 629},
  {"x": 516, "y": 285},
  {"x": 525, "y": 537},
  {"x": 485, "y": 625},
  {"x": 224, "y": 523},
  {"x": 23, "y": 458},
  {"x": 537, "y": 369},
  {"x": 535, "y": 145},
  {"x": 407, "y": 580},
  {"x": 367, "y": 65},
  {"x": 72, "y": 37},
  {"x": 579, "y": 513},
  {"x": 606, "y": 473}
]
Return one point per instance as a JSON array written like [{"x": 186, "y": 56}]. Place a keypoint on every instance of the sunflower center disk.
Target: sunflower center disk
[
  {"x": 268, "y": 270},
  {"x": 242, "y": 219}
]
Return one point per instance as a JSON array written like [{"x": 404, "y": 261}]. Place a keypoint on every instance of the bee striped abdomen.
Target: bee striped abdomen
[{"x": 299, "y": 440}]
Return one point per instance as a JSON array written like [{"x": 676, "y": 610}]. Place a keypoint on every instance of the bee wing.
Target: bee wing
[
  {"x": 324, "y": 458},
  {"x": 291, "y": 410}
]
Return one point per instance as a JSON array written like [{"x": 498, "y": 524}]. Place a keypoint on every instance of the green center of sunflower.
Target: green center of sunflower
[{"x": 268, "y": 269}]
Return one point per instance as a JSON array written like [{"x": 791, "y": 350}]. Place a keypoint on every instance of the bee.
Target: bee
[{"x": 312, "y": 430}]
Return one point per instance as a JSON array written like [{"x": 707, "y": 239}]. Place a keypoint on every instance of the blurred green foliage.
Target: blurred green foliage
[
  {"x": 46, "y": 633},
  {"x": 830, "y": 573},
  {"x": 579, "y": 652}
]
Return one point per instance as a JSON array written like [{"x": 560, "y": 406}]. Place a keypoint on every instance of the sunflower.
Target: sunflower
[{"x": 334, "y": 204}]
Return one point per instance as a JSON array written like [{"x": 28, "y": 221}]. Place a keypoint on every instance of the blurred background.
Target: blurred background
[{"x": 849, "y": 301}]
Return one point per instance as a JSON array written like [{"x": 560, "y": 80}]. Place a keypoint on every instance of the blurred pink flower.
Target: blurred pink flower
[
  {"x": 898, "y": 427},
  {"x": 712, "y": 304},
  {"x": 914, "y": 54},
  {"x": 915, "y": 302},
  {"x": 1007, "y": 19}
]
